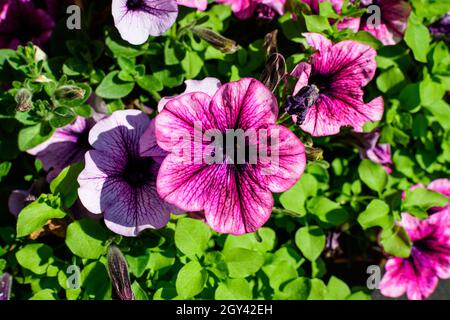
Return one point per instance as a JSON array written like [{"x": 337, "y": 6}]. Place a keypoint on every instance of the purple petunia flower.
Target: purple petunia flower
[
  {"x": 119, "y": 179},
  {"x": 208, "y": 85},
  {"x": 5, "y": 286},
  {"x": 136, "y": 20},
  {"x": 66, "y": 146},
  {"x": 441, "y": 28},
  {"x": 328, "y": 94},
  {"x": 418, "y": 275},
  {"x": 374, "y": 151},
  {"x": 197, "y": 4},
  {"x": 21, "y": 21},
  {"x": 265, "y": 9},
  {"x": 235, "y": 196}
]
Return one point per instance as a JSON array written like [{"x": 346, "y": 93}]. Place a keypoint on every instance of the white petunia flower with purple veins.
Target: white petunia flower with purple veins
[
  {"x": 136, "y": 20},
  {"x": 119, "y": 179}
]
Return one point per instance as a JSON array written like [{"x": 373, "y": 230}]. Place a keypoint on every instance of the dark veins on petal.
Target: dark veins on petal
[{"x": 141, "y": 5}]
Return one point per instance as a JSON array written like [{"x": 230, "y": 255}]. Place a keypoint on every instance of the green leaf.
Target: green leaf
[
  {"x": 112, "y": 87},
  {"x": 4, "y": 169},
  {"x": 234, "y": 289},
  {"x": 35, "y": 257},
  {"x": 396, "y": 241},
  {"x": 373, "y": 175},
  {"x": 95, "y": 280},
  {"x": 419, "y": 200},
  {"x": 316, "y": 23},
  {"x": 311, "y": 241},
  {"x": 150, "y": 83},
  {"x": 34, "y": 216},
  {"x": 263, "y": 240},
  {"x": 191, "y": 280},
  {"x": 138, "y": 292},
  {"x": 85, "y": 239},
  {"x": 30, "y": 137},
  {"x": 418, "y": 38},
  {"x": 297, "y": 289},
  {"x": 376, "y": 214},
  {"x": 327, "y": 211},
  {"x": 242, "y": 263},
  {"x": 192, "y": 236},
  {"x": 294, "y": 199},
  {"x": 192, "y": 64},
  {"x": 65, "y": 184},
  {"x": 318, "y": 290},
  {"x": 337, "y": 289},
  {"x": 391, "y": 80},
  {"x": 46, "y": 294}
]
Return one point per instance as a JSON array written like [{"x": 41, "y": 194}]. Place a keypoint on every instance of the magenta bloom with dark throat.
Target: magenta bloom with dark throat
[
  {"x": 119, "y": 179},
  {"x": 22, "y": 21},
  {"x": 328, "y": 94},
  {"x": 418, "y": 275},
  {"x": 235, "y": 196}
]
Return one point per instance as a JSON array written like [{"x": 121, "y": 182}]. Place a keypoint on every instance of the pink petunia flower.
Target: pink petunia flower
[
  {"x": 208, "y": 85},
  {"x": 119, "y": 178},
  {"x": 136, "y": 20},
  {"x": 328, "y": 94},
  {"x": 234, "y": 192},
  {"x": 418, "y": 275},
  {"x": 393, "y": 20},
  {"x": 265, "y": 9},
  {"x": 197, "y": 4},
  {"x": 22, "y": 21},
  {"x": 377, "y": 152}
]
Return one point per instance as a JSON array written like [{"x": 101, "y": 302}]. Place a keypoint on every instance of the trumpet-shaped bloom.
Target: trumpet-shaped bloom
[
  {"x": 119, "y": 178},
  {"x": 21, "y": 21},
  {"x": 197, "y": 4},
  {"x": 329, "y": 94},
  {"x": 136, "y": 20},
  {"x": 66, "y": 146},
  {"x": 5, "y": 286},
  {"x": 235, "y": 196},
  {"x": 245, "y": 9},
  {"x": 418, "y": 275}
]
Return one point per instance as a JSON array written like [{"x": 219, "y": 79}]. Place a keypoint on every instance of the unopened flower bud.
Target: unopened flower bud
[
  {"x": 218, "y": 41},
  {"x": 5, "y": 286},
  {"x": 69, "y": 92},
  {"x": 24, "y": 100},
  {"x": 118, "y": 272}
]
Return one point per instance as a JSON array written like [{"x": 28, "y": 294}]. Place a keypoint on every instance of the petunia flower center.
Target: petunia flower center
[
  {"x": 135, "y": 4},
  {"x": 299, "y": 104},
  {"x": 138, "y": 171}
]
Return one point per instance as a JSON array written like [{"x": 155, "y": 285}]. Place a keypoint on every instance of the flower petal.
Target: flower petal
[
  {"x": 285, "y": 161},
  {"x": 329, "y": 114},
  {"x": 208, "y": 85},
  {"x": 183, "y": 119},
  {"x": 136, "y": 25},
  {"x": 197, "y": 4},
  {"x": 317, "y": 41},
  {"x": 244, "y": 104},
  {"x": 237, "y": 204},
  {"x": 128, "y": 210}
]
